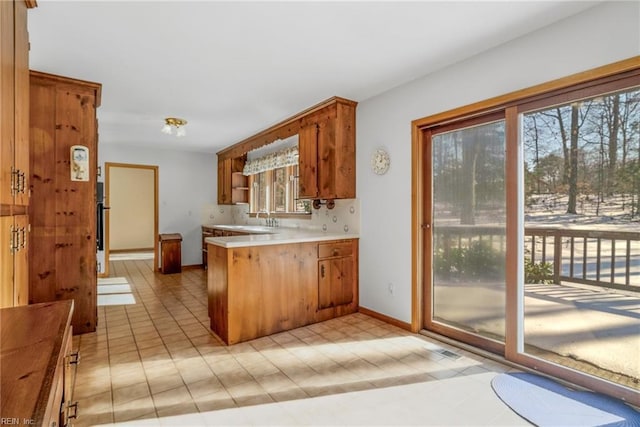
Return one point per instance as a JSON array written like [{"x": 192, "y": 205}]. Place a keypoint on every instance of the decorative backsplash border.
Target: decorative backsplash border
[{"x": 343, "y": 218}]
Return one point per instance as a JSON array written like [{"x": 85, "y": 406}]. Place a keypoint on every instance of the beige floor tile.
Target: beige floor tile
[
  {"x": 122, "y": 343},
  {"x": 171, "y": 397},
  {"x": 178, "y": 409},
  {"x": 134, "y": 409},
  {"x": 128, "y": 378},
  {"x": 193, "y": 370},
  {"x": 116, "y": 357},
  {"x": 131, "y": 392},
  {"x": 288, "y": 394},
  {"x": 163, "y": 383},
  {"x": 148, "y": 342},
  {"x": 154, "y": 353},
  {"x": 215, "y": 401},
  {"x": 88, "y": 387}
]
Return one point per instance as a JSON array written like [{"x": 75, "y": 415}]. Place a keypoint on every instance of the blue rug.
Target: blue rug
[{"x": 545, "y": 402}]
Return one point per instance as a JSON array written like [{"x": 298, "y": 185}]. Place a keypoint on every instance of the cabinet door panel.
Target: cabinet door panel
[
  {"x": 341, "y": 282},
  {"x": 6, "y": 261},
  {"x": 327, "y": 159},
  {"x": 324, "y": 284},
  {"x": 21, "y": 153},
  {"x": 7, "y": 87},
  {"x": 308, "y": 162},
  {"x": 224, "y": 181},
  {"x": 335, "y": 282},
  {"x": 21, "y": 261}
]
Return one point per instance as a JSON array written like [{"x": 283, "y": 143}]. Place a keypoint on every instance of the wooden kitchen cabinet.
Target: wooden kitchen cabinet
[
  {"x": 232, "y": 184},
  {"x": 254, "y": 291},
  {"x": 335, "y": 274},
  {"x": 327, "y": 155},
  {"x": 14, "y": 152},
  {"x": 38, "y": 364},
  {"x": 62, "y": 211},
  {"x": 326, "y": 145}
]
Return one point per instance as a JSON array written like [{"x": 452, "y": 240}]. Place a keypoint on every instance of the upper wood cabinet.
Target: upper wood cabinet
[
  {"x": 327, "y": 156},
  {"x": 63, "y": 210},
  {"x": 326, "y": 144},
  {"x": 14, "y": 152},
  {"x": 232, "y": 184}
]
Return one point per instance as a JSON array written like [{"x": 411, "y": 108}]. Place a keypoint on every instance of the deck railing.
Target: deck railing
[{"x": 609, "y": 259}]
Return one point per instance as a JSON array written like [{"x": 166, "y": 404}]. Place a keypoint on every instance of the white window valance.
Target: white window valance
[{"x": 279, "y": 159}]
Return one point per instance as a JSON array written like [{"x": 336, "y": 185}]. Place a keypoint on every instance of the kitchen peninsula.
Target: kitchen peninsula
[
  {"x": 263, "y": 280},
  {"x": 275, "y": 279}
]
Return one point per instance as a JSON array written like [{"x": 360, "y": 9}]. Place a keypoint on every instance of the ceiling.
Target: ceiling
[{"x": 234, "y": 68}]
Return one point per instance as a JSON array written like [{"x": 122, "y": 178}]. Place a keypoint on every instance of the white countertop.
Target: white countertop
[{"x": 275, "y": 236}]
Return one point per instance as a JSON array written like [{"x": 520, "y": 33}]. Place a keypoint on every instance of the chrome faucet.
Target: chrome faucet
[{"x": 267, "y": 219}]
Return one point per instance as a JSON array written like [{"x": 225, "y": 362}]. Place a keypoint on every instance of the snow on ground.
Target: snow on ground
[{"x": 612, "y": 214}]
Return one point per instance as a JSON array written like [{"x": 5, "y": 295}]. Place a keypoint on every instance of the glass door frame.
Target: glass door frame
[{"x": 613, "y": 75}]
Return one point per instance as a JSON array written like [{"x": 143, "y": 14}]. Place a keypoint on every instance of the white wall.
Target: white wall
[
  {"x": 604, "y": 34},
  {"x": 187, "y": 187}
]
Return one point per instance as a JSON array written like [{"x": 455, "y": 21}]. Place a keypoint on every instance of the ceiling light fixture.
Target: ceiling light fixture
[{"x": 172, "y": 123}]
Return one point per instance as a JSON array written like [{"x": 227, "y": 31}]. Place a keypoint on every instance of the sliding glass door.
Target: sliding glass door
[
  {"x": 529, "y": 239},
  {"x": 467, "y": 232}
]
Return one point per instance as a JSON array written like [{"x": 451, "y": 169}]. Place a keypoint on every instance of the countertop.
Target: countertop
[
  {"x": 32, "y": 339},
  {"x": 261, "y": 236}
]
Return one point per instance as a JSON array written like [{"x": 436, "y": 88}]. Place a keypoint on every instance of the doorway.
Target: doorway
[{"x": 131, "y": 220}]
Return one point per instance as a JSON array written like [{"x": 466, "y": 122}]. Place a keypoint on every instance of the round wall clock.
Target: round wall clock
[{"x": 380, "y": 161}]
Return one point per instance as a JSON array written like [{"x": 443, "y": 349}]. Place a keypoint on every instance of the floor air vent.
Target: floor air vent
[
  {"x": 449, "y": 354},
  {"x": 442, "y": 352}
]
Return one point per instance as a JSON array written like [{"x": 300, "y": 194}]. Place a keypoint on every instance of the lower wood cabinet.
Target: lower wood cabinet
[
  {"x": 37, "y": 364},
  {"x": 335, "y": 274},
  {"x": 260, "y": 290}
]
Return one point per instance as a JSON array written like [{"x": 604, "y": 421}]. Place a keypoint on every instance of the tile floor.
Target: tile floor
[{"x": 155, "y": 362}]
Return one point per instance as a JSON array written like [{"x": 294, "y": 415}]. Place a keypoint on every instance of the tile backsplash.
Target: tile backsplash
[{"x": 343, "y": 218}]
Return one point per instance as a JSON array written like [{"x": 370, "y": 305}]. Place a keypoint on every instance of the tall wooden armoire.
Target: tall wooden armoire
[
  {"x": 14, "y": 152},
  {"x": 63, "y": 166}
]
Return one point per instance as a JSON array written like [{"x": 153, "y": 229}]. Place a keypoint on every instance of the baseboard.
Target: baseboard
[
  {"x": 387, "y": 319},
  {"x": 126, "y": 251},
  {"x": 193, "y": 267}
]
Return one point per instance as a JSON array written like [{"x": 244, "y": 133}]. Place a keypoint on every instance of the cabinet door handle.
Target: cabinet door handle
[
  {"x": 14, "y": 181},
  {"x": 14, "y": 245},
  {"x": 322, "y": 271},
  {"x": 22, "y": 182},
  {"x": 22, "y": 242},
  {"x": 74, "y": 358},
  {"x": 72, "y": 410}
]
